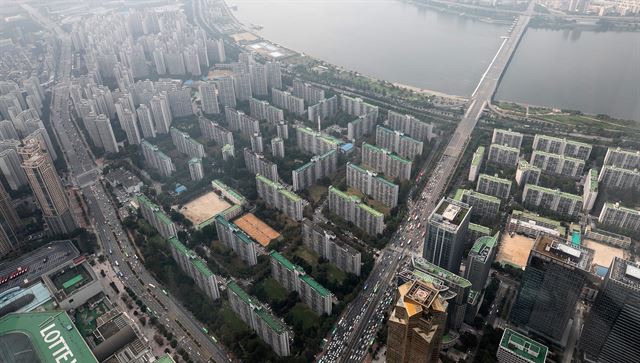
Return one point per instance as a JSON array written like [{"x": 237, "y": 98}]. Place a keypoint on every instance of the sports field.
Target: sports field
[
  {"x": 604, "y": 254},
  {"x": 203, "y": 208},
  {"x": 515, "y": 250},
  {"x": 256, "y": 229}
]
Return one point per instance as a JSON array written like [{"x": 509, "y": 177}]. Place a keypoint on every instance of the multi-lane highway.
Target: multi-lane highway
[
  {"x": 358, "y": 324},
  {"x": 113, "y": 239}
]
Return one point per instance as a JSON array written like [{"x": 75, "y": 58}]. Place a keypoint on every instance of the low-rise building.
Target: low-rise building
[
  {"x": 258, "y": 164},
  {"x": 277, "y": 196},
  {"x": 270, "y": 329},
  {"x": 503, "y": 155},
  {"x": 319, "y": 167},
  {"x": 609, "y": 238},
  {"x": 507, "y": 137},
  {"x": 398, "y": 142},
  {"x": 233, "y": 237},
  {"x": 369, "y": 183},
  {"x": 492, "y": 185},
  {"x": 615, "y": 215},
  {"x": 352, "y": 209},
  {"x": 153, "y": 214},
  {"x": 517, "y": 348},
  {"x": 294, "y": 278},
  {"x": 556, "y": 145},
  {"x": 229, "y": 193},
  {"x": 542, "y": 198},
  {"x": 527, "y": 173},
  {"x": 476, "y": 163},
  {"x": 331, "y": 247},
  {"x": 532, "y": 225},
  {"x": 386, "y": 162},
  {"x": 195, "y": 267},
  {"x": 557, "y": 164}
]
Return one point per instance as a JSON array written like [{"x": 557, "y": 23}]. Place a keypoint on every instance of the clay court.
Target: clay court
[
  {"x": 256, "y": 229},
  {"x": 203, "y": 208},
  {"x": 604, "y": 254},
  {"x": 515, "y": 250}
]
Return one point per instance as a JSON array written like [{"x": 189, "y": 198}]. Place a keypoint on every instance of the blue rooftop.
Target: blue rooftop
[
  {"x": 601, "y": 271},
  {"x": 40, "y": 296},
  {"x": 346, "y": 147},
  {"x": 180, "y": 188}
]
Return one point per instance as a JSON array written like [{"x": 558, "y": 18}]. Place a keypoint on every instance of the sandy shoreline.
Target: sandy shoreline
[{"x": 429, "y": 91}]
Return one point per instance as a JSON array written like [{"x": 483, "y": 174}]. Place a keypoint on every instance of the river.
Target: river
[{"x": 404, "y": 43}]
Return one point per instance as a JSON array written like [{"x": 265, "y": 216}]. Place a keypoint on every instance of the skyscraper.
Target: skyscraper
[
  {"x": 146, "y": 122},
  {"x": 610, "y": 333},
  {"x": 550, "y": 287},
  {"x": 416, "y": 324},
  {"x": 161, "y": 113},
  {"x": 47, "y": 188},
  {"x": 105, "y": 133},
  {"x": 446, "y": 230},
  {"x": 9, "y": 223}
]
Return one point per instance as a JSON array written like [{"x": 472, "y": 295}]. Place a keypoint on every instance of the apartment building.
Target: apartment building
[
  {"x": 507, "y": 137},
  {"x": 234, "y": 238},
  {"x": 310, "y": 94},
  {"x": 278, "y": 197},
  {"x": 620, "y": 178},
  {"x": 195, "y": 267},
  {"x": 319, "y": 167},
  {"x": 399, "y": 143},
  {"x": 352, "y": 209},
  {"x": 615, "y": 215},
  {"x": 542, "y": 198},
  {"x": 331, "y": 247},
  {"x": 411, "y": 126},
  {"x": 211, "y": 130},
  {"x": 263, "y": 111},
  {"x": 483, "y": 205},
  {"x": 156, "y": 159},
  {"x": 621, "y": 158},
  {"x": 369, "y": 183},
  {"x": 240, "y": 122},
  {"x": 567, "y": 148},
  {"x": 476, "y": 163},
  {"x": 258, "y": 164},
  {"x": 314, "y": 142},
  {"x": 527, "y": 173},
  {"x": 386, "y": 162},
  {"x": 492, "y": 185},
  {"x": 325, "y": 108},
  {"x": 153, "y": 214},
  {"x": 503, "y": 155},
  {"x": 185, "y": 144},
  {"x": 557, "y": 164},
  {"x": 363, "y": 125},
  {"x": 287, "y": 101}
]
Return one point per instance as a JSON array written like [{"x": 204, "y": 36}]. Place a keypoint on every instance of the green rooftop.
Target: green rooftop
[
  {"x": 257, "y": 307},
  {"x": 480, "y": 229},
  {"x": 195, "y": 160},
  {"x": 441, "y": 273},
  {"x": 165, "y": 359},
  {"x": 386, "y": 152},
  {"x": 473, "y": 193},
  {"x": 370, "y": 210},
  {"x": 558, "y": 139},
  {"x": 593, "y": 176},
  {"x": 364, "y": 170},
  {"x": 619, "y": 207},
  {"x": 280, "y": 188},
  {"x": 175, "y": 242},
  {"x": 23, "y": 335},
  {"x": 505, "y": 147},
  {"x": 321, "y": 290},
  {"x": 303, "y": 275},
  {"x": 558, "y": 156},
  {"x": 553, "y": 191},
  {"x": 201, "y": 267},
  {"x": 523, "y": 347},
  {"x": 157, "y": 211},
  {"x": 494, "y": 178},
  {"x": 283, "y": 261},
  {"x": 478, "y": 155},
  {"x": 485, "y": 242},
  {"x": 219, "y": 184}
]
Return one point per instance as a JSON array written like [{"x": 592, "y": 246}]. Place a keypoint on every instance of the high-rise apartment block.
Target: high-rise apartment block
[
  {"x": 263, "y": 111},
  {"x": 615, "y": 215},
  {"x": 314, "y": 142},
  {"x": 156, "y": 159},
  {"x": 11, "y": 168},
  {"x": 369, "y": 183},
  {"x": 325, "y": 108},
  {"x": 282, "y": 129},
  {"x": 386, "y": 162},
  {"x": 226, "y": 91},
  {"x": 352, "y": 209},
  {"x": 277, "y": 196},
  {"x": 234, "y": 238},
  {"x": 257, "y": 143},
  {"x": 610, "y": 333},
  {"x": 551, "y": 286},
  {"x": 259, "y": 79},
  {"x": 399, "y": 143},
  {"x": 411, "y": 126},
  {"x": 274, "y": 75},
  {"x": 527, "y": 173},
  {"x": 319, "y": 167},
  {"x": 211, "y": 130},
  {"x": 507, "y": 137},
  {"x": 9, "y": 223},
  {"x": 557, "y": 164},
  {"x": 363, "y": 125},
  {"x": 503, "y": 155},
  {"x": 483, "y": 205},
  {"x": 186, "y": 145},
  {"x": 129, "y": 123},
  {"x": 287, "y": 101},
  {"x": 590, "y": 190},
  {"x": 517, "y": 348},
  {"x": 476, "y": 163},
  {"x": 153, "y": 214},
  {"x": 270, "y": 329},
  {"x": 239, "y": 121},
  {"x": 195, "y": 169},
  {"x": 492, "y": 185},
  {"x": 446, "y": 234},
  {"x": 416, "y": 324},
  {"x": 310, "y": 94},
  {"x": 258, "y": 164},
  {"x": 294, "y": 278},
  {"x": 242, "y": 86},
  {"x": 620, "y": 178},
  {"x": 556, "y": 145},
  {"x": 627, "y": 159},
  {"x": 146, "y": 122},
  {"x": 331, "y": 247},
  {"x": 209, "y": 98},
  {"x": 161, "y": 113},
  {"x": 542, "y": 198},
  {"x": 47, "y": 188},
  {"x": 356, "y": 106},
  {"x": 277, "y": 147},
  {"x": 195, "y": 267}
]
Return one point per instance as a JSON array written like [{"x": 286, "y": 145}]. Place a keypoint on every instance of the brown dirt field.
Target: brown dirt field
[
  {"x": 604, "y": 254},
  {"x": 515, "y": 250},
  {"x": 204, "y": 207},
  {"x": 256, "y": 229}
]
